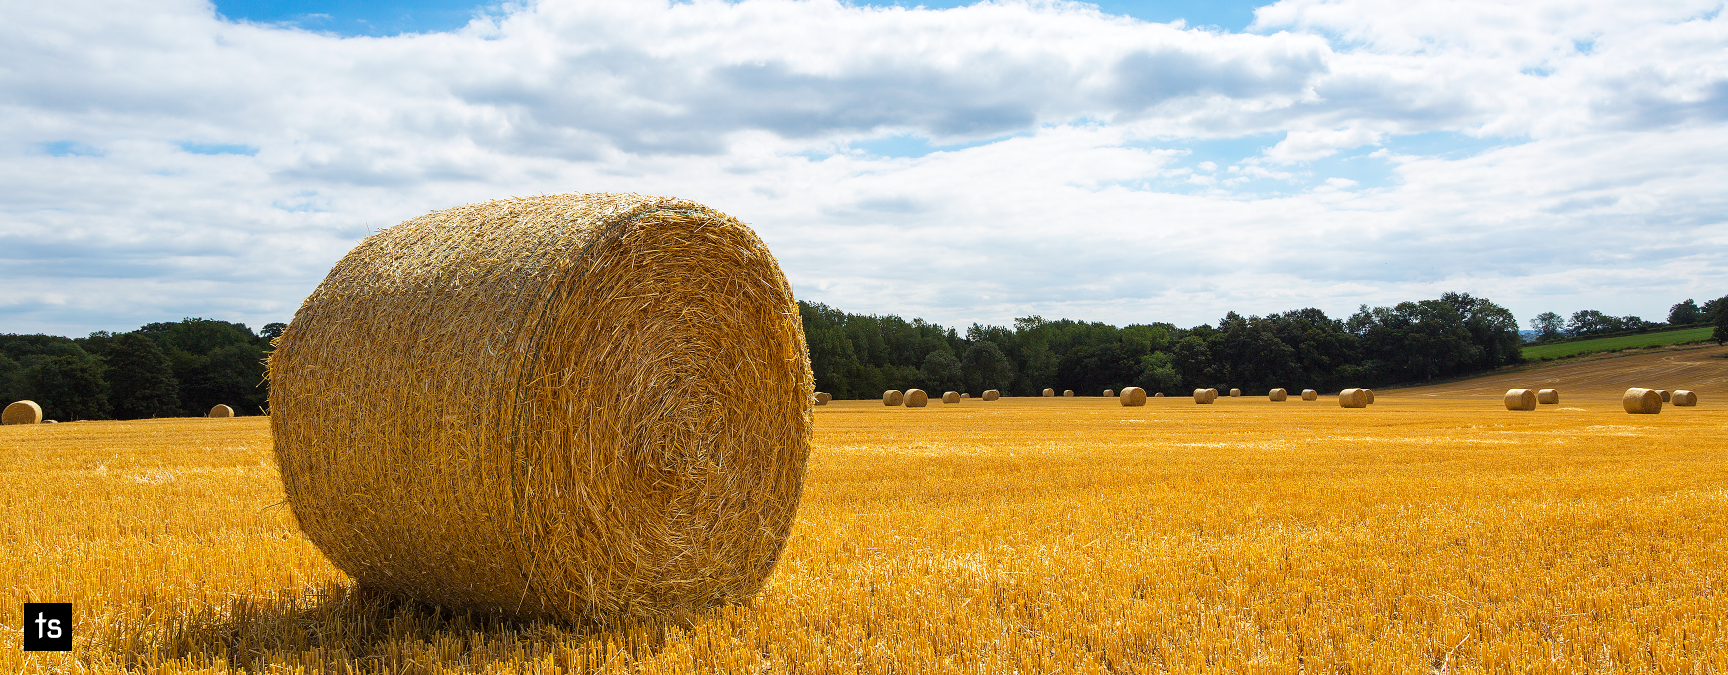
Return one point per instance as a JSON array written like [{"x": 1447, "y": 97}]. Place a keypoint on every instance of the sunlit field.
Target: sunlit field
[{"x": 1426, "y": 533}]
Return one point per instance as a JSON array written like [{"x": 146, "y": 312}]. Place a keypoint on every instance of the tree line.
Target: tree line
[
  {"x": 171, "y": 369},
  {"x": 859, "y": 356},
  {"x": 1590, "y": 323}
]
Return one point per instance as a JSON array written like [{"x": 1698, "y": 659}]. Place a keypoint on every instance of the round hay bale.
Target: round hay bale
[
  {"x": 21, "y": 412},
  {"x": 1370, "y": 393},
  {"x": 893, "y": 397},
  {"x": 1158, "y": 395},
  {"x": 510, "y": 408},
  {"x": 1068, "y": 392},
  {"x": 1049, "y": 392},
  {"x": 220, "y": 410},
  {"x": 1310, "y": 395},
  {"x": 1548, "y": 396},
  {"x": 916, "y": 398},
  {"x": 50, "y": 421},
  {"x": 950, "y": 397},
  {"x": 1664, "y": 393},
  {"x": 992, "y": 394},
  {"x": 1685, "y": 397},
  {"x": 1277, "y": 394},
  {"x": 1520, "y": 399},
  {"x": 1353, "y": 398},
  {"x": 1235, "y": 393},
  {"x": 1642, "y": 401},
  {"x": 822, "y": 398},
  {"x": 1133, "y": 396},
  {"x": 1205, "y": 396},
  {"x": 965, "y": 395},
  {"x": 1109, "y": 393}
]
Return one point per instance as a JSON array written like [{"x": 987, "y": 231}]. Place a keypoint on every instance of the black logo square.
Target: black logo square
[{"x": 47, "y": 626}]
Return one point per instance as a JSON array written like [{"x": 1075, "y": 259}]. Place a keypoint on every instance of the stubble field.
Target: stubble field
[{"x": 1431, "y": 532}]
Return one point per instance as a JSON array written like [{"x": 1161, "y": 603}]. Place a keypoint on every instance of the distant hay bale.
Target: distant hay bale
[
  {"x": 893, "y": 397},
  {"x": 1642, "y": 401},
  {"x": 822, "y": 398},
  {"x": 992, "y": 394},
  {"x": 1158, "y": 395},
  {"x": 1353, "y": 398},
  {"x": 579, "y": 408},
  {"x": 1685, "y": 397},
  {"x": 1067, "y": 392},
  {"x": 1520, "y": 399},
  {"x": 1370, "y": 394},
  {"x": 1235, "y": 393},
  {"x": 21, "y": 412},
  {"x": 1548, "y": 396},
  {"x": 1310, "y": 395},
  {"x": 220, "y": 410},
  {"x": 1277, "y": 395},
  {"x": 50, "y": 421},
  {"x": 1049, "y": 392},
  {"x": 1664, "y": 393},
  {"x": 916, "y": 398},
  {"x": 1133, "y": 396},
  {"x": 1109, "y": 393},
  {"x": 1204, "y": 396},
  {"x": 965, "y": 395},
  {"x": 950, "y": 397}
]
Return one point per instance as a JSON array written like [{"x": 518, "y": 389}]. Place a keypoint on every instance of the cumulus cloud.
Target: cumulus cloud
[{"x": 164, "y": 162}]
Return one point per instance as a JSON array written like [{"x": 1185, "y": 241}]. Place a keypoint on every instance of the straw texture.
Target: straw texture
[
  {"x": 992, "y": 394},
  {"x": 1310, "y": 395},
  {"x": 1133, "y": 396},
  {"x": 1353, "y": 398},
  {"x": 1642, "y": 401},
  {"x": 220, "y": 410},
  {"x": 1520, "y": 399},
  {"x": 535, "y": 407},
  {"x": 21, "y": 412},
  {"x": 893, "y": 397},
  {"x": 916, "y": 398},
  {"x": 1277, "y": 394},
  {"x": 1684, "y": 397},
  {"x": 1548, "y": 396},
  {"x": 950, "y": 397}
]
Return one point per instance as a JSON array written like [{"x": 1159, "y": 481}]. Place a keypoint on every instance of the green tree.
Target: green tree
[
  {"x": 67, "y": 387},
  {"x": 1548, "y": 326},
  {"x": 1684, "y": 313},
  {"x": 941, "y": 372},
  {"x": 986, "y": 367},
  {"x": 140, "y": 380},
  {"x": 230, "y": 375},
  {"x": 1158, "y": 374},
  {"x": 1720, "y": 335}
]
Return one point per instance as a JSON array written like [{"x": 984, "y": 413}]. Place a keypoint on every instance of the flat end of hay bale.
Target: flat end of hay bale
[
  {"x": 1520, "y": 399},
  {"x": 1548, "y": 396},
  {"x": 1134, "y": 396},
  {"x": 1353, "y": 398},
  {"x": 21, "y": 412},
  {"x": 1638, "y": 401}
]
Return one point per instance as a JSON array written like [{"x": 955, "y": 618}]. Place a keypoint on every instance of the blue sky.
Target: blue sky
[{"x": 960, "y": 163}]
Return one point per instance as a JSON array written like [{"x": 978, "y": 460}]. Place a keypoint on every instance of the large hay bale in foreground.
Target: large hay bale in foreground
[
  {"x": 1548, "y": 396},
  {"x": 1520, "y": 399},
  {"x": 893, "y": 397},
  {"x": 1049, "y": 392},
  {"x": 1684, "y": 397},
  {"x": 1133, "y": 396},
  {"x": 21, "y": 412},
  {"x": 1277, "y": 394},
  {"x": 1310, "y": 395},
  {"x": 992, "y": 394},
  {"x": 950, "y": 397},
  {"x": 916, "y": 398},
  {"x": 220, "y": 410},
  {"x": 1353, "y": 398},
  {"x": 1642, "y": 401},
  {"x": 537, "y": 408}
]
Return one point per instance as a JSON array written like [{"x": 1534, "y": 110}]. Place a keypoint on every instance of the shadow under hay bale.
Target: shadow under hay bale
[{"x": 505, "y": 408}]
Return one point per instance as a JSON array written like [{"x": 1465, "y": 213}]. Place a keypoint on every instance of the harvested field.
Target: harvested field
[{"x": 1427, "y": 533}]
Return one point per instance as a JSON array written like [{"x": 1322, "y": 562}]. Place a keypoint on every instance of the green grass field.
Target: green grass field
[{"x": 1562, "y": 350}]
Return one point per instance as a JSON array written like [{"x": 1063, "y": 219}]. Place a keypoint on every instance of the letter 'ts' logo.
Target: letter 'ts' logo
[{"x": 47, "y": 626}]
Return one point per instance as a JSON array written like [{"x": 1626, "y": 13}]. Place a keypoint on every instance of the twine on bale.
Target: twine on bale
[
  {"x": 1684, "y": 397},
  {"x": 1353, "y": 398},
  {"x": 893, "y": 397},
  {"x": 1520, "y": 399},
  {"x": 531, "y": 407},
  {"x": 1548, "y": 396},
  {"x": 950, "y": 397},
  {"x": 1277, "y": 394},
  {"x": 1133, "y": 396},
  {"x": 1310, "y": 395},
  {"x": 1642, "y": 401},
  {"x": 916, "y": 398},
  {"x": 21, "y": 412},
  {"x": 992, "y": 394}
]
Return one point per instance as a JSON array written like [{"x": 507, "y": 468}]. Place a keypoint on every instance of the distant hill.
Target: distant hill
[{"x": 1700, "y": 369}]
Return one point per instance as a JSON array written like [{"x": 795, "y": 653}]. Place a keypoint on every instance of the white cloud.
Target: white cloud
[{"x": 1080, "y": 200}]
